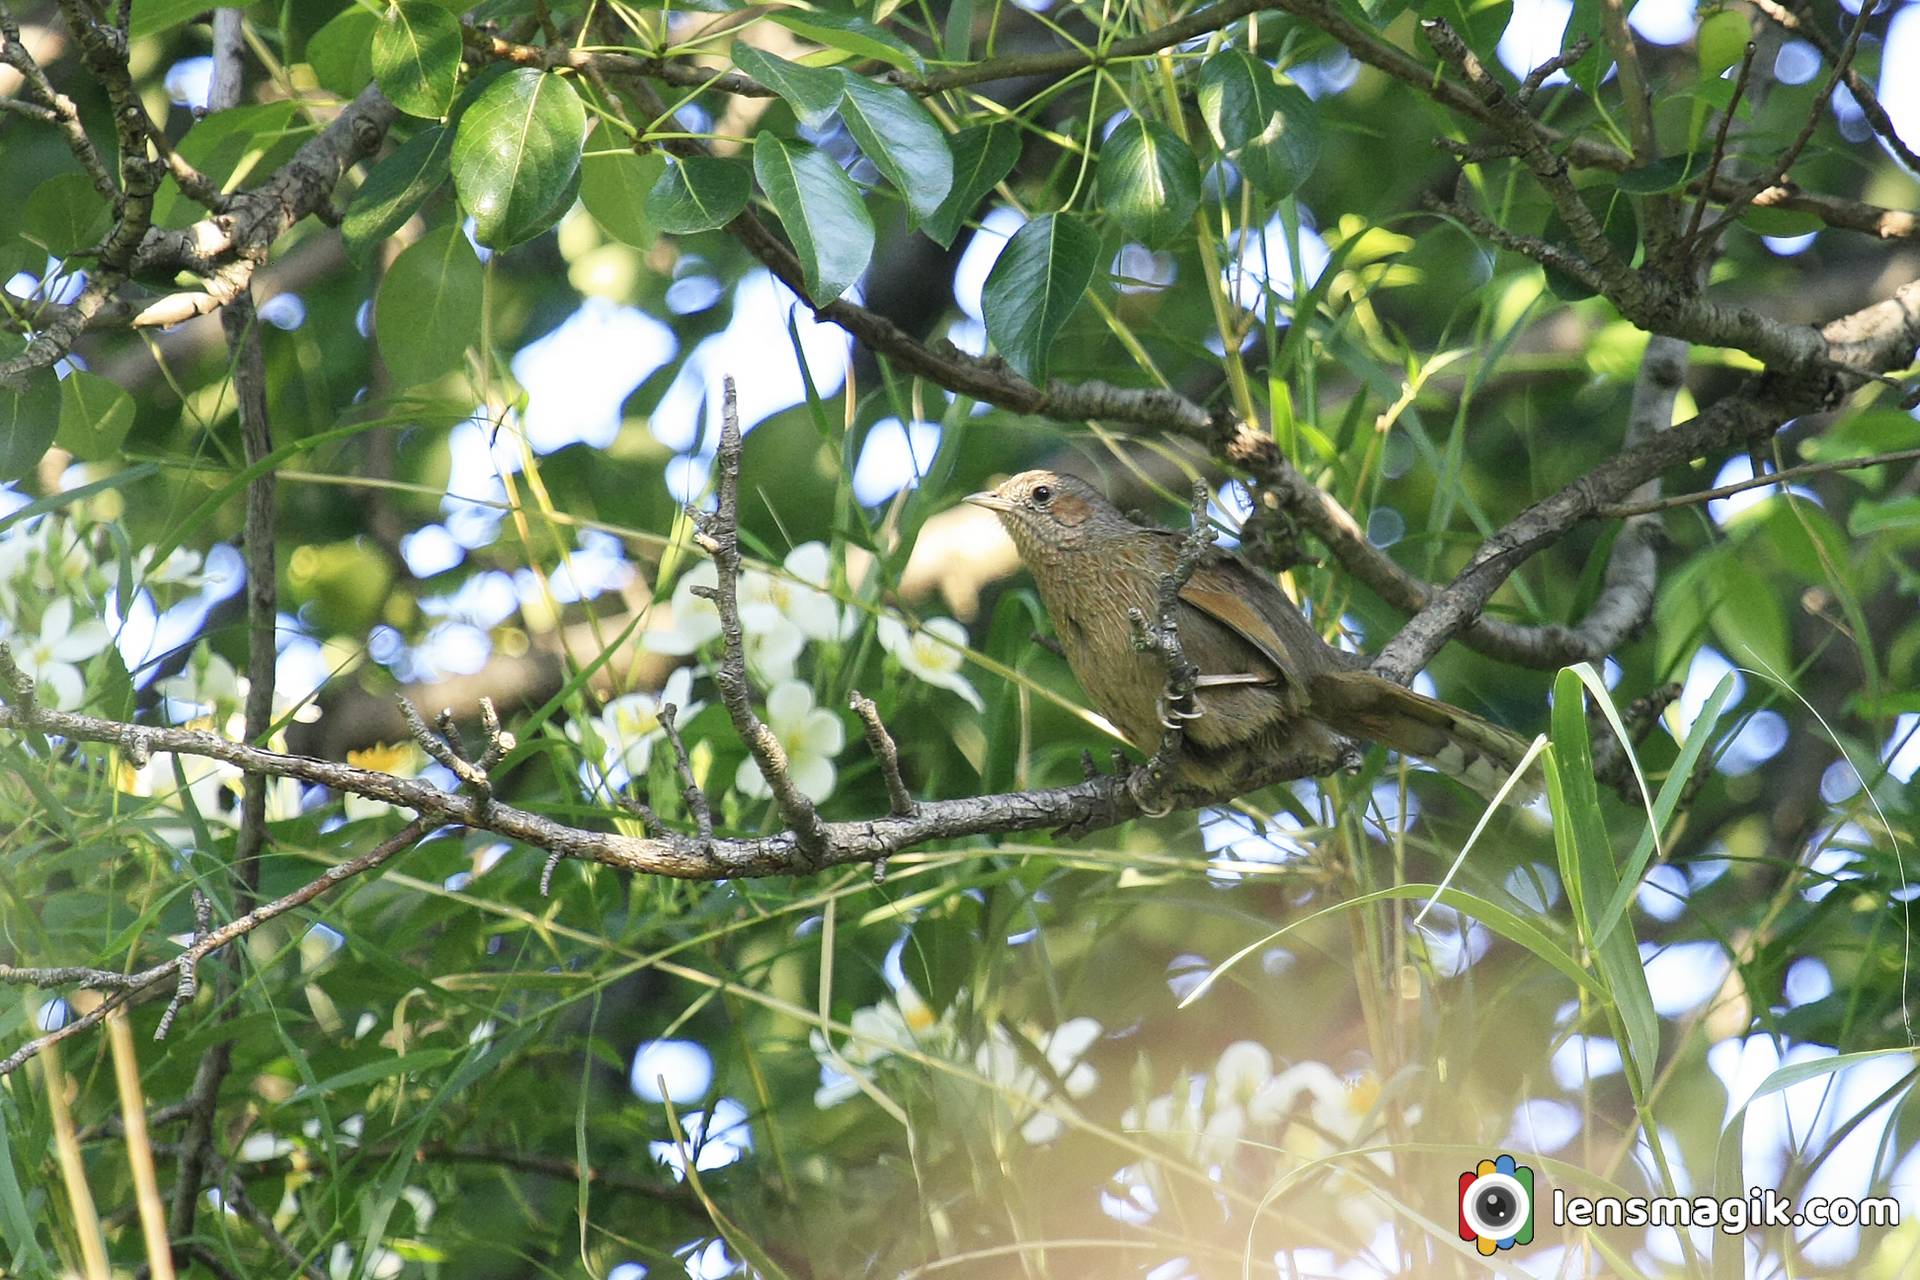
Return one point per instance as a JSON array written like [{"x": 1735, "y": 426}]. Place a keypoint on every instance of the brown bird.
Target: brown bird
[{"x": 1267, "y": 684}]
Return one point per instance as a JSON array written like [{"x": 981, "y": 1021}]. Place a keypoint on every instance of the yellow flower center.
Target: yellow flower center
[{"x": 383, "y": 757}]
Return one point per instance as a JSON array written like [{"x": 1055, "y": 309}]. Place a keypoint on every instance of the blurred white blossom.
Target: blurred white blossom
[
  {"x": 1024, "y": 1089},
  {"x": 800, "y": 596},
  {"x": 627, "y": 728},
  {"x": 52, "y": 656},
  {"x": 811, "y": 736},
  {"x": 880, "y": 1031},
  {"x": 181, "y": 568},
  {"x": 934, "y": 653},
  {"x": 696, "y": 622}
]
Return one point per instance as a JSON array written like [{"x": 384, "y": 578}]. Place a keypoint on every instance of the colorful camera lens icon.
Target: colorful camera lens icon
[{"x": 1496, "y": 1205}]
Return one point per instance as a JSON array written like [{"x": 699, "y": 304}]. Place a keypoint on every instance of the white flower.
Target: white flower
[
  {"x": 879, "y": 1032},
  {"x": 207, "y": 684},
  {"x": 933, "y": 654},
  {"x": 696, "y": 621},
  {"x": 800, "y": 596},
  {"x": 50, "y": 658},
  {"x": 1024, "y": 1090},
  {"x": 48, "y": 557},
  {"x": 772, "y": 644},
  {"x": 628, "y": 727},
  {"x": 811, "y": 736},
  {"x": 181, "y": 568}
]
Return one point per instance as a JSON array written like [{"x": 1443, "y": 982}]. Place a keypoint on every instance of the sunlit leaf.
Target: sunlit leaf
[
  {"x": 428, "y": 310},
  {"x": 698, "y": 193},
  {"x": 820, "y": 208},
  {"x": 416, "y": 57},
  {"x": 1149, "y": 180},
  {"x": 1034, "y": 285},
  {"x": 515, "y": 150}
]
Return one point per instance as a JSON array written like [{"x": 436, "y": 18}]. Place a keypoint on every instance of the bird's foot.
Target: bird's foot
[
  {"x": 1176, "y": 707},
  {"x": 1149, "y": 794}
]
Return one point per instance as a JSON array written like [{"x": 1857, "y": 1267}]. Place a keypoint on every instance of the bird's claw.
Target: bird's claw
[
  {"x": 1176, "y": 708},
  {"x": 1141, "y": 787}
]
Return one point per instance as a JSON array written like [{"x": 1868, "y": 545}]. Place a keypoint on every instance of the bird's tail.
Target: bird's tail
[{"x": 1477, "y": 752}]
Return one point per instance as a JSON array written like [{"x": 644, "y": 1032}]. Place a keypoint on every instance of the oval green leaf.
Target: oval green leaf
[
  {"x": 1034, "y": 285},
  {"x": 1722, "y": 42},
  {"x": 94, "y": 416},
  {"x": 982, "y": 156},
  {"x": 900, "y": 137},
  {"x": 65, "y": 215},
  {"x": 812, "y": 92},
  {"x": 395, "y": 189},
  {"x": 698, "y": 193},
  {"x": 614, "y": 186},
  {"x": 416, "y": 57},
  {"x": 29, "y": 420},
  {"x": 849, "y": 33},
  {"x": 820, "y": 208},
  {"x": 1270, "y": 130},
  {"x": 1149, "y": 180},
  {"x": 515, "y": 152},
  {"x": 428, "y": 310},
  {"x": 341, "y": 52}
]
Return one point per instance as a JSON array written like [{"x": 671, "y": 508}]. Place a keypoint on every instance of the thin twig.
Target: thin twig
[
  {"x": 1778, "y": 173},
  {"x": 719, "y": 534},
  {"x": 1720, "y": 142},
  {"x": 690, "y": 792},
  {"x": 881, "y": 743},
  {"x": 405, "y": 838},
  {"x": 1788, "y": 476}
]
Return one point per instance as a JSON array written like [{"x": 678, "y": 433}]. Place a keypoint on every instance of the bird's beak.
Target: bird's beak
[{"x": 989, "y": 499}]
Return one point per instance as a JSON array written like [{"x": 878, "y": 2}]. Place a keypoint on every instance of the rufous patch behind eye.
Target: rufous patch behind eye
[{"x": 1069, "y": 509}]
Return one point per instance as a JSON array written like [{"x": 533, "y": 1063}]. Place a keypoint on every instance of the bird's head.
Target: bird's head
[{"x": 1049, "y": 514}]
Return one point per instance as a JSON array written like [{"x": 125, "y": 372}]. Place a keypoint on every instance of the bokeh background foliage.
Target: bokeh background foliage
[{"x": 492, "y": 387}]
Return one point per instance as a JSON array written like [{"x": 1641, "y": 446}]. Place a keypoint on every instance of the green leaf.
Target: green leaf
[
  {"x": 416, "y": 57},
  {"x": 820, "y": 208},
  {"x": 850, "y": 34},
  {"x": 20, "y": 1232},
  {"x": 1679, "y": 778},
  {"x": 65, "y": 214},
  {"x": 1588, "y": 873},
  {"x": 395, "y": 190},
  {"x": 1034, "y": 285},
  {"x": 1869, "y": 516},
  {"x": 1149, "y": 180},
  {"x": 1588, "y": 19},
  {"x": 1271, "y": 130},
  {"x": 515, "y": 151},
  {"x": 698, "y": 193},
  {"x": 1779, "y": 222},
  {"x": 94, "y": 416},
  {"x": 428, "y": 310},
  {"x": 29, "y": 420},
  {"x": 151, "y": 17},
  {"x": 1748, "y": 615},
  {"x": 900, "y": 137},
  {"x": 1665, "y": 174},
  {"x": 982, "y": 156},
  {"x": 614, "y": 186},
  {"x": 813, "y": 92},
  {"x": 341, "y": 53},
  {"x": 1722, "y": 42}
]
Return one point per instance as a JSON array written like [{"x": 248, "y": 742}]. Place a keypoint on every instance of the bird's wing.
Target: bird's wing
[{"x": 1230, "y": 593}]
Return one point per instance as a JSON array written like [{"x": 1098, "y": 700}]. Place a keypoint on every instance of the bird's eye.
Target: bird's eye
[{"x": 1042, "y": 495}]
